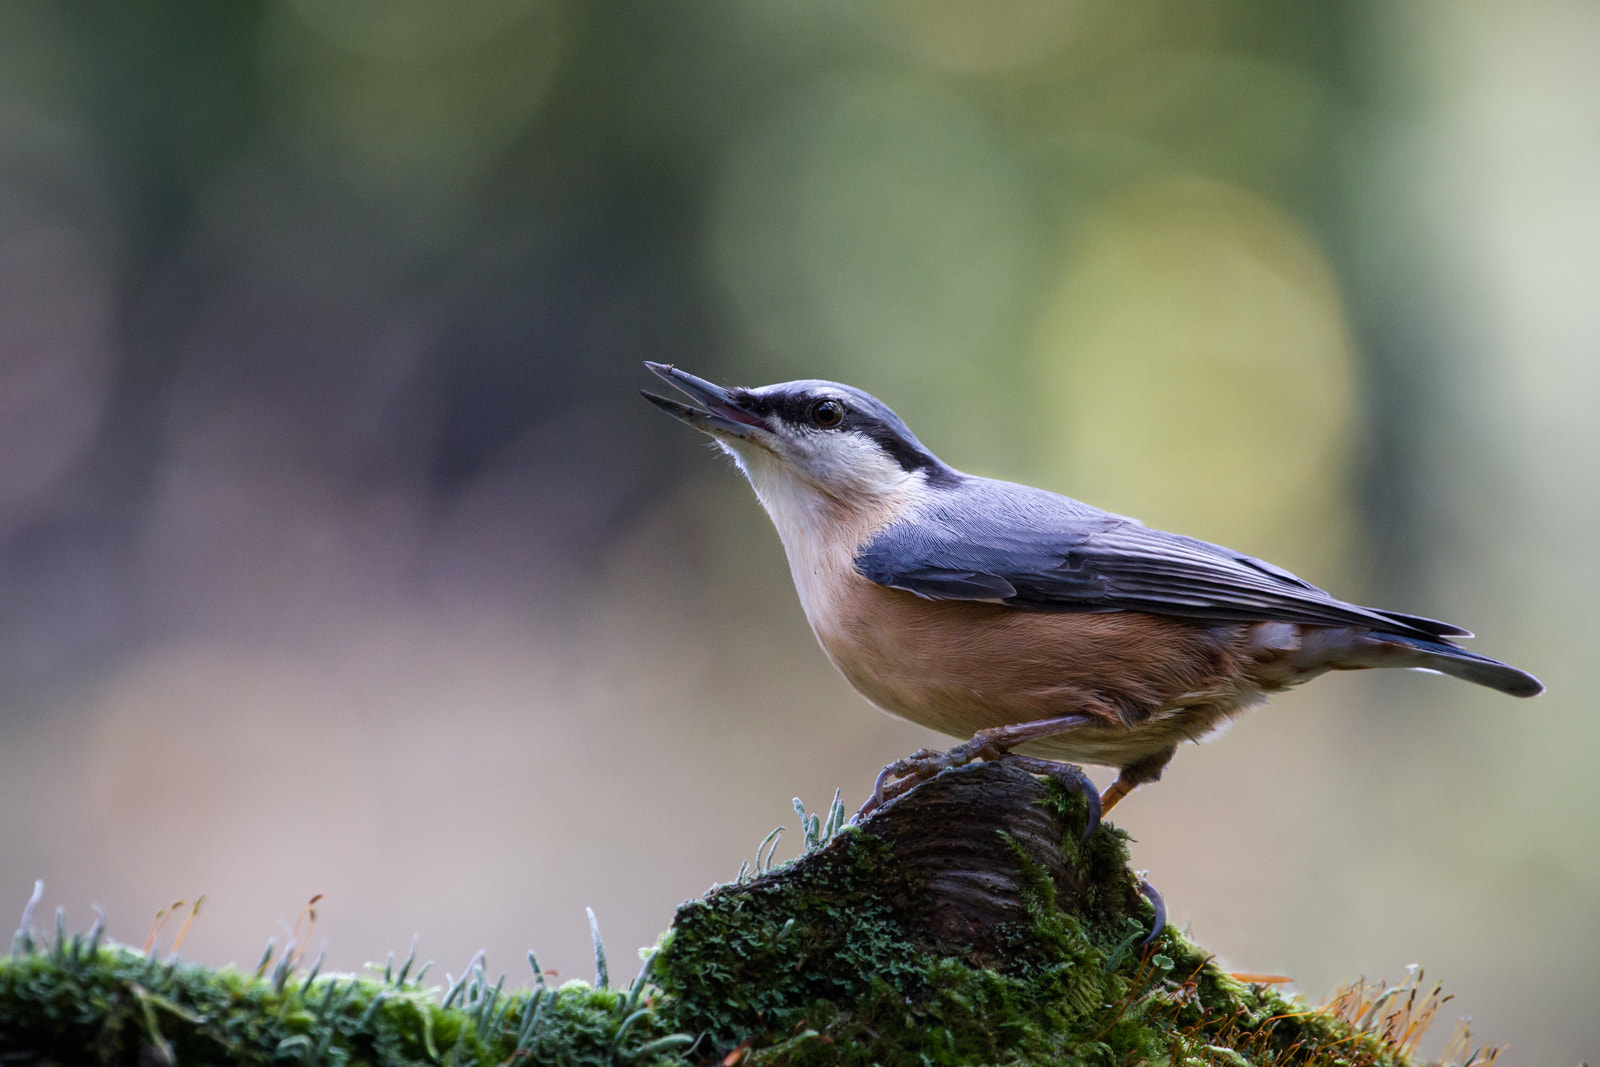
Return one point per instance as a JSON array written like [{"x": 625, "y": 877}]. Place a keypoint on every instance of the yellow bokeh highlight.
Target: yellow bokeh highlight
[
  {"x": 978, "y": 35},
  {"x": 1196, "y": 367}
]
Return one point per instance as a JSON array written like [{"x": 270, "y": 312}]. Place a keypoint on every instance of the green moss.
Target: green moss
[
  {"x": 816, "y": 963},
  {"x": 114, "y": 1005},
  {"x": 820, "y": 963}
]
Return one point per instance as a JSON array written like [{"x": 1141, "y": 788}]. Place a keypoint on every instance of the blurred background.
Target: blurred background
[{"x": 338, "y": 554}]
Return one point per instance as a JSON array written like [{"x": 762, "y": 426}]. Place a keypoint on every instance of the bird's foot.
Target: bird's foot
[
  {"x": 1072, "y": 777},
  {"x": 904, "y": 775}
]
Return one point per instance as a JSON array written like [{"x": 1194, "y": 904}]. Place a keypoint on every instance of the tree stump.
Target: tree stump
[
  {"x": 968, "y": 900},
  {"x": 958, "y": 838}
]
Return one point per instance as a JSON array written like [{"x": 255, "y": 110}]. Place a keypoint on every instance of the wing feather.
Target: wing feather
[{"x": 997, "y": 541}]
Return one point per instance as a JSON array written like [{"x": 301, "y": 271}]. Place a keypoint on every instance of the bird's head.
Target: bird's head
[{"x": 808, "y": 438}]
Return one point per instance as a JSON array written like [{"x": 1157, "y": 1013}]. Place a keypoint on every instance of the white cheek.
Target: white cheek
[{"x": 853, "y": 465}]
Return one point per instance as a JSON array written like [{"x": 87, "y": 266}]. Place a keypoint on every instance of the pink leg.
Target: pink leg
[{"x": 1133, "y": 776}]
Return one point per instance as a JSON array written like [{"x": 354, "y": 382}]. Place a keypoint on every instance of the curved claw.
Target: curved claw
[
  {"x": 1092, "y": 823},
  {"x": 1074, "y": 778},
  {"x": 1071, "y": 776},
  {"x": 1160, "y": 922},
  {"x": 883, "y": 790},
  {"x": 877, "y": 798}
]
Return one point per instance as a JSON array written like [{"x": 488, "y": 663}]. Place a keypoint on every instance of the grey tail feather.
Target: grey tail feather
[{"x": 1469, "y": 666}]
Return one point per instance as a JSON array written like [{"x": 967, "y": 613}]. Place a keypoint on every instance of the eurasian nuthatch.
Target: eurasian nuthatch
[{"x": 1026, "y": 620}]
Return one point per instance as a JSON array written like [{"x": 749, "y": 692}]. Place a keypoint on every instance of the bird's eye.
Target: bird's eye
[{"x": 826, "y": 414}]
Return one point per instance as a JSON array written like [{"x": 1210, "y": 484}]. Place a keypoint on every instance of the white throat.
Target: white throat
[{"x": 822, "y": 531}]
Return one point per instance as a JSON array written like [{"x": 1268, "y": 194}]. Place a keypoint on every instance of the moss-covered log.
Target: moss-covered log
[{"x": 961, "y": 924}]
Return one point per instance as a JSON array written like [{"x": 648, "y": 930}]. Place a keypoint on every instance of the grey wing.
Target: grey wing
[{"x": 1029, "y": 549}]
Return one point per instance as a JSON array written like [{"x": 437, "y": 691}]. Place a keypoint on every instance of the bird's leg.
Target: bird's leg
[
  {"x": 985, "y": 744},
  {"x": 1133, "y": 776},
  {"x": 1114, "y": 792}
]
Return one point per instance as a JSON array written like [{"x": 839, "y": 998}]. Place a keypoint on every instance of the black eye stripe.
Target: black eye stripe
[
  {"x": 862, "y": 414},
  {"x": 788, "y": 407},
  {"x": 796, "y": 408}
]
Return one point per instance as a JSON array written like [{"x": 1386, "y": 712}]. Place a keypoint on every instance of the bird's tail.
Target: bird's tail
[{"x": 1392, "y": 650}]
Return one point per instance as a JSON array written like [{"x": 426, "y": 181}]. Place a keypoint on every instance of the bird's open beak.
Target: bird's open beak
[{"x": 724, "y": 415}]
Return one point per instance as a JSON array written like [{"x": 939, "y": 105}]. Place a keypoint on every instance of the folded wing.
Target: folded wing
[{"x": 1034, "y": 550}]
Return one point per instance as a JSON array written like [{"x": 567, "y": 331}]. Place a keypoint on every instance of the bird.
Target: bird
[{"x": 1034, "y": 625}]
